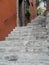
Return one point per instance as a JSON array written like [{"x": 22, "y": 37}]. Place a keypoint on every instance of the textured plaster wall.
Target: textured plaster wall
[
  {"x": 33, "y": 8},
  {"x": 7, "y": 17}
]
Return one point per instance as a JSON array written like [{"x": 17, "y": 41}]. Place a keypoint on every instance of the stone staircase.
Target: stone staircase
[
  {"x": 33, "y": 29},
  {"x": 27, "y": 45}
]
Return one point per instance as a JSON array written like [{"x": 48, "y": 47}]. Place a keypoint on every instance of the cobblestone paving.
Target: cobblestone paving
[{"x": 28, "y": 45}]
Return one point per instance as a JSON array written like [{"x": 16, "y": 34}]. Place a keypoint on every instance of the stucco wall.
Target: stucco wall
[
  {"x": 33, "y": 8},
  {"x": 7, "y": 17}
]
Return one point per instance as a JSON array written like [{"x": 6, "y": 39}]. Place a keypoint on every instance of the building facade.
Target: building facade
[
  {"x": 7, "y": 17},
  {"x": 12, "y": 14},
  {"x": 33, "y": 8}
]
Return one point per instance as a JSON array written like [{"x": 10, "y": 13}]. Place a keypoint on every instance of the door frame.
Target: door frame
[{"x": 23, "y": 12}]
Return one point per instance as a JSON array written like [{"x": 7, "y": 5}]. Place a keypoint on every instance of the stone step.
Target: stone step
[
  {"x": 28, "y": 45},
  {"x": 17, "y": 53}
]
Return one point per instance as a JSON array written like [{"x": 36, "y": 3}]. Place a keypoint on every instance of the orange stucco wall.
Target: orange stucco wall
[
  {"x": 33, "y": 8},
  {"x": 7, "y": 17}
]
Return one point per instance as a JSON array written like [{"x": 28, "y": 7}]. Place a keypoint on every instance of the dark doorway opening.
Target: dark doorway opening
[{"x": 20, "y": 13}]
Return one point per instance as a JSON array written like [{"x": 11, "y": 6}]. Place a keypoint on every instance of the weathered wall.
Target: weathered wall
[
  {"x": 7, "y": 17},
  {"x": 33, "y": 8}
]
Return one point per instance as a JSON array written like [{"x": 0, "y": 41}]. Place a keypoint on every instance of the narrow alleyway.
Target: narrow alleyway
[{"x": 27, "y": 45}]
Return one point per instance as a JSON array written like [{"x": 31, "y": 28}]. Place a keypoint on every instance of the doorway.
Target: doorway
[{"x": 20, "y": 13}]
